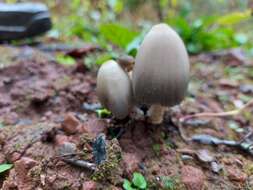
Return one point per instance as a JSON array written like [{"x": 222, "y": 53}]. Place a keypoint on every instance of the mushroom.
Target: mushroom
[
  {"x": 161, "y": 71},
  {"x": 114, "y": 89}
]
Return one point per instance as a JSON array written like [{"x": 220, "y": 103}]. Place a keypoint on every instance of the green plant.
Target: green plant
[
  {"x": 208, "y": 33},
  {"x": 169, "y": 183},
  {"x": 138, "y": 182},
  {"x": 65, "y": 60},
  {"x": 102, "y": 113},
  {"x": 156, "y": 148},
  {"x": 5, "y": 167},
  {"x": 234, "y": 18},
  {"x": 127, "y": 185},
  {"x": 99, "y": 23},
  {"x": 117, "y": 34}
]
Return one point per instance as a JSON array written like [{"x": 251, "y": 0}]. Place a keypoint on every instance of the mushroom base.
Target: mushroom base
[
  {"x": 137, "y": 113},
  {"x": 156, "y": 113}
]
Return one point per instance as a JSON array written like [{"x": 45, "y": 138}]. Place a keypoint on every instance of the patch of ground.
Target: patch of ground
[
  {"x": 41, "y": 109},
  {"x": 38, "y": 87}
]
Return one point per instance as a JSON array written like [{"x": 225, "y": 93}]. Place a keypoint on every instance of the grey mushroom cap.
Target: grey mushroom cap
[
  {"x": 161, "y": 70},
  {"x": 114, "y": 89}
]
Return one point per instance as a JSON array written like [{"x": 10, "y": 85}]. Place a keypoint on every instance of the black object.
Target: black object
[
  {"x": 99, "y": 149},
  {"x": 22, "y": 20}
]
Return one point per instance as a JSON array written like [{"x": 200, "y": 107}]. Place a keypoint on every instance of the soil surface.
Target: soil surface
[{"x": 47, "y": 108}]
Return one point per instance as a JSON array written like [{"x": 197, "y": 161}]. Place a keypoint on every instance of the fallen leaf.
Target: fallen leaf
[{"x": 80, "y": 52}]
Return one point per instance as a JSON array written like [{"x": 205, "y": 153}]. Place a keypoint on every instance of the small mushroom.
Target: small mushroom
[
  {"x": 161, "y": 71},
  {"x": 114, "y": 89}
]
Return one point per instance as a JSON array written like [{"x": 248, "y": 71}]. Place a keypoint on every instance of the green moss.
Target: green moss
[
  {"x": 35, "y": 173},
  {"x": 249, "y": 168},
  {"x": 156, "y": 148},
  {"x": 86, "y": 141},
  {"x": 167, "y": 183},
  {"x": 110, "y": 169},
  {"x": 172, "y": 183},
  {"x": 17, "y": 146}
]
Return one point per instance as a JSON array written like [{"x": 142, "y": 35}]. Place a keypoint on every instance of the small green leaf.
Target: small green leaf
[
  {"x": 103, "y": 58},
  {"x": 134, "y": 45},
  {"x": 139, "y": 181},
  {"x": 65, "y": 60},
  {"x": 117, "y": 34},
  {"x": 164, "y": 3},
  {"x": 127, "y": 185},
  {"x": 193, "y": 48},
  {"x": 116, "y": 5},
  {"x": 197, "y": 23},
  {"x": 102, "y": 113},
  {"x": 234, "y": 18},
  {"x": 5, "y": 167}
]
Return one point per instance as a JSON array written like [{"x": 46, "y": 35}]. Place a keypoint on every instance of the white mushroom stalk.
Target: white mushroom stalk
[
  {"x": 114, "y": 89},
  {"x": 156, "y": 113},
  {"x": 161, "y": 71}
]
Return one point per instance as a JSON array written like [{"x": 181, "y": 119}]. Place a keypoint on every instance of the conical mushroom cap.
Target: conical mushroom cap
[
  {"x": 114, "y": 89},
  {"x": 161, "y": 70}
]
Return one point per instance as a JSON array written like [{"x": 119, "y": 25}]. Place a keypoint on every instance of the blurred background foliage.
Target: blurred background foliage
[{"x": 204, "y": 25}]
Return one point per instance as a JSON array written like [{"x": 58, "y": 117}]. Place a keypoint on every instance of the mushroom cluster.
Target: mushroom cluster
[{"x": 159, "y": 78}]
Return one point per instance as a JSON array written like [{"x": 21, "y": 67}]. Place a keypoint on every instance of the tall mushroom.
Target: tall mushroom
[
  {"x": 114, "y": 89},
  {"x": 161, "y": 71}
]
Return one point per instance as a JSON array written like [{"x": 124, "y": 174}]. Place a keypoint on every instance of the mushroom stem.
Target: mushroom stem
[
  {"x": 156, "y": 113},
  {"x": 137, "y": 113},
  {"x": 130, "y": 74}
]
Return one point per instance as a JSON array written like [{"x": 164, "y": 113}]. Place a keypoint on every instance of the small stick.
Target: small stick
[
  {"x": 246, "y": 137},
  {"x": 69, "y": 155},
  {"x": 80, "y": 163},
  {"x": 182, "y": 133},
  {"x": 220, "y": 114}
]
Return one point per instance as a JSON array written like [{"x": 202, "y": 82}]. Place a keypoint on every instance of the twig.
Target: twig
[
  {"x": 182, "y": 133},
  {"x": 246, "y": 137},
  {"x": 69, "y": 155},
  {"x": 220, "y": 114},
  {"x": 80, "y": 163}
]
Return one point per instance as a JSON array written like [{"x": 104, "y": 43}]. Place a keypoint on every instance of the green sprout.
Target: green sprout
[
  {"x": 5, "y": 167},
  {"x": 138, "y": 182},
  {"x": 65, "y": 60},
  {"x": 102, "y": 113}
]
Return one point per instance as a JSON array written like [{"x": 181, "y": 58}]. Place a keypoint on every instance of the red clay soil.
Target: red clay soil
[{"x": 41, "y": 109}]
